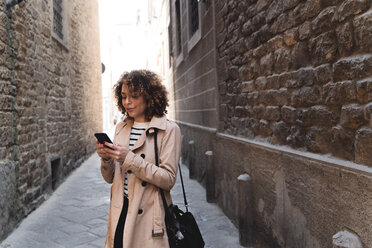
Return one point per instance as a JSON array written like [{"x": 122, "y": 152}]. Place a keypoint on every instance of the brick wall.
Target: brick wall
[
  {"x": 50, "y": 102},
  {"x": 195, "y": 88},
  {"x": 195, "y": 74},
  {"x": 297, "y": 73}
]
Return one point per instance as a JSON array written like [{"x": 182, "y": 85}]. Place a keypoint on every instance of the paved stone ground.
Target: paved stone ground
[{"x": 76, "y": 214}]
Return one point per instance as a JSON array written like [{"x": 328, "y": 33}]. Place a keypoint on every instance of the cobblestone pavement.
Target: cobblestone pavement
[{"x": 76, "y": 214}]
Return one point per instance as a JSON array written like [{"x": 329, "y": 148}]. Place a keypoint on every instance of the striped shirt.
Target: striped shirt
[{"x": 137, "y": 129}]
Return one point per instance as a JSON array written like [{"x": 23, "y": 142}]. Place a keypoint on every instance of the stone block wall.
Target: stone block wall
[
  {"x": 294, "y": 113},
  {"x": 50, "y": 102},
  {"x": 297, "y": 73}
]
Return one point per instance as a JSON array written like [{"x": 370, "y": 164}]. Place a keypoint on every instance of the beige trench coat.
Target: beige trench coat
[{"x": 144, "y": 226}]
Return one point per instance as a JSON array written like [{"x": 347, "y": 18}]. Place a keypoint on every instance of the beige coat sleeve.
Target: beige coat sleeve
[
  {"x": 108, "y": 169},
  {"x": 163, "y": 176},
  {"x": 108, "y": 166}
]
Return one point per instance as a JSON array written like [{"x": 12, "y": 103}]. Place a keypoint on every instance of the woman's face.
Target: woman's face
[{"x": 134, "y": 105}]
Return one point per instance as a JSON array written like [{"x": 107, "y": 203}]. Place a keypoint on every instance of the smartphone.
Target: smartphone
[{"x": 102, "y": 137}]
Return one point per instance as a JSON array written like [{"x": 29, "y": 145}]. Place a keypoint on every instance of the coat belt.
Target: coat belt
[{"x": 157, "y": 223}]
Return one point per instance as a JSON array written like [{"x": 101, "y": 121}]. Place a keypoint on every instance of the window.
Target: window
[
  {"x": 194, "y": 21},
  {"x": 58, "y": 18},
  {"x": 60, "y": 15},
  {"x": 194, "y": 16},
  {"x": 178, "y": 26},
  {"x": 170, "y": 40},
  {"x": 178, "y": 45}
]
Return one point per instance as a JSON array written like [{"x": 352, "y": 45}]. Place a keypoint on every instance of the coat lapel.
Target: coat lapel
[
  {"x": 123, "y": 132},
  {"x": 156, "y": 122}
]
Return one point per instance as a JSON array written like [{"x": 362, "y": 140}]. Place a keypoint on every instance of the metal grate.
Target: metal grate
[
  {"x": 194, "y": 16},
  {"x": 58, "y": 18},
  {"x": 178, "y": 26}
]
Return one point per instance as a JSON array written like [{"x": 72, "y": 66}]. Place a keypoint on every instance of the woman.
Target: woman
[{"x": 136, "y": 216}]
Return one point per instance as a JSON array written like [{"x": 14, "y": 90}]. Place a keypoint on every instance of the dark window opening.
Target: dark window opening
[
  {"x": 58, "y": 18},
  {"x": 194, "y": 16},
  {"x": 170, "y": 42},
  {"x": 170, "y": 33},
  {"x": 56, "y": 171},
  {"x": 178, "y": 26}
]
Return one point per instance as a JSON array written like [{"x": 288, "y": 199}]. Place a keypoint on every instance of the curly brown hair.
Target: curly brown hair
[{"x": 147, "y": 84}]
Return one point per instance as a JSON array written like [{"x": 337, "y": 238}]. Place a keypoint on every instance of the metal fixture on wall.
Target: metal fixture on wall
[{"x": 103, "y": 67}]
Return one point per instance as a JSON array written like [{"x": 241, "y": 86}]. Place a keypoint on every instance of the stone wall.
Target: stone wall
[
  {"x": 294, "y": 95},
  {"x": 297, "y": 73},
  {"x": 297, "y": 199},
  {"x": 50, "y": 102}
]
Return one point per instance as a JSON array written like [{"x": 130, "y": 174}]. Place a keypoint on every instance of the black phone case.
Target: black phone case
[{"x": 102, "y": 137}]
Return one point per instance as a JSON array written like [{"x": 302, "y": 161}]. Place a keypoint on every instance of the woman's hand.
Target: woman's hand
[
  {"x": 118, "y": 152},
  {"x": 101, "y": 150}
]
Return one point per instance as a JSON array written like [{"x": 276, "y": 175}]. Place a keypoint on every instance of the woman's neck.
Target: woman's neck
[{"x": 141, "y": 120}]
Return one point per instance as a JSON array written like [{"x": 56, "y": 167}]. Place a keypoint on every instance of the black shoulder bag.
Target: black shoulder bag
[{"x": 182, "y": 229}]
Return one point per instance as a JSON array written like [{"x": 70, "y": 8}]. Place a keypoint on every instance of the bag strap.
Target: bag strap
[
  {"x": 168, "y": 215},
  {"x": 167, "y": 212},
  {"x": 183, "y": 190}
]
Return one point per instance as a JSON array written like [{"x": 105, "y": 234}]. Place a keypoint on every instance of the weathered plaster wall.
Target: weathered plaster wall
[{"x": 299, "y": 200}]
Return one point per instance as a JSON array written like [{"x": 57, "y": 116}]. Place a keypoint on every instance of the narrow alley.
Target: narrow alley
[{"x": 76, "y": 214}]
